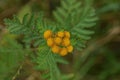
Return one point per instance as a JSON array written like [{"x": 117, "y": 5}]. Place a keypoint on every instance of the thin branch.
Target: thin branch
[{"x": 18, "y": 72}]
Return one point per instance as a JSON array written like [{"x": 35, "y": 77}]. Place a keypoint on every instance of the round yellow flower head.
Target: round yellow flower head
[
  {"x": 47, "y": 34},
  {"x": 63, "y": 51},
  {"x": 66, "y": 42},
  {"x": 70, "y": 48},
  {"x": 50, "y": 42},
  {"x": 67, "y": 34},
  {"x": 55, "y": 49},
  {"x": 57, "y": 40},
  {"x": 60, "y": 34}
]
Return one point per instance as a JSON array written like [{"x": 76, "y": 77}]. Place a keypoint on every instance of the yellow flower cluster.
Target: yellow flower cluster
[{"x": 59, "y": 42}]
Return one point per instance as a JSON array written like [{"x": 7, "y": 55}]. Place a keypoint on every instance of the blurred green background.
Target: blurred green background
[{"x": 102, "y": 53}]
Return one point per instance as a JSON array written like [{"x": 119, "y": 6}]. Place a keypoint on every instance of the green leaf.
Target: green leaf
[{"x": 77, "y": 18}]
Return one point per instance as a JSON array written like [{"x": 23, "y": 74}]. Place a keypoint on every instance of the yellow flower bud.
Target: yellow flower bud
[
  {"x": 50, "y": 42},
  {"x": 57, "y": 40},
  {"x": 47, "y": 34},
  {"x": 66, "y": 42},
  {"x": 55, "y": 49},
  {"x": 70, "y": 48},
  {"x": 67, "y": 34},
  {"x": 60, "y": 34},
  {"x": 63, "y": 52}
]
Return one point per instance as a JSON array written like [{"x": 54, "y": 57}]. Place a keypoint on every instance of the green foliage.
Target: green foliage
[
  {"x": 11, "y": 56},
  {"x": 46, "y": 61},
  {"x": 77, "y": 18},
  {"x": 72, "y": 17},
  {"x": 110, "y": 61},
  {"x": 29, "y": 27}
]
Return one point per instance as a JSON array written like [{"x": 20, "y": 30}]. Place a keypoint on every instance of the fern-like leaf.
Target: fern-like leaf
[
  {"x": 46, "y": 61},
  {"x": 77, "y": 18}
]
